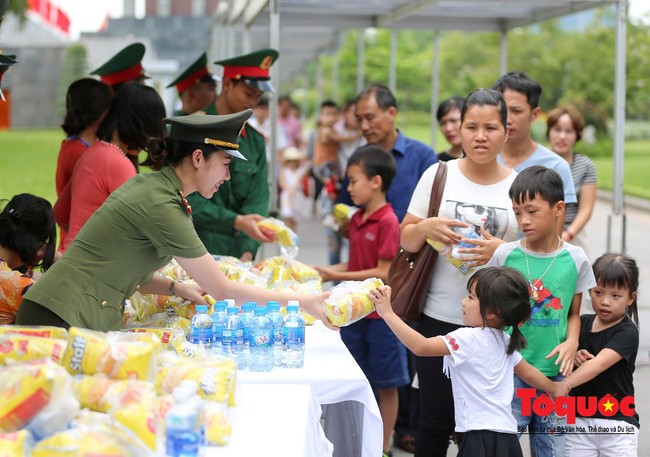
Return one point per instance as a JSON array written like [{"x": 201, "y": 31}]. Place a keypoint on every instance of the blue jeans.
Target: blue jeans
[{"x": 546, "y": 433}]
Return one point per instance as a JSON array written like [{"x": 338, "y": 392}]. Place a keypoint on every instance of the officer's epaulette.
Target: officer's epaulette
[{"x": 256, "y": 130}]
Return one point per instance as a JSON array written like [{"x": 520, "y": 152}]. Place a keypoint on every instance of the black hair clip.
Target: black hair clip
[{"x": 14, "y": 214}]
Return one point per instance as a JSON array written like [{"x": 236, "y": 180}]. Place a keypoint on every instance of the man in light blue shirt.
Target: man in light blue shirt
[
  {"x": 376, "y": 111},
  {"x": 522, "y": 94}
]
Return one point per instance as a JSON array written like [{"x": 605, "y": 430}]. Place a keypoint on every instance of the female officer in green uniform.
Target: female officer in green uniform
[{"x": 141, "y": 227}]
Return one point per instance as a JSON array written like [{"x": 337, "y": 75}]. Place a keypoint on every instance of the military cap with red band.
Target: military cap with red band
[
  {"x": 254, "y": 68},
  {"x": 124, "y": 66},
  {"x": 195, "y": 73}
]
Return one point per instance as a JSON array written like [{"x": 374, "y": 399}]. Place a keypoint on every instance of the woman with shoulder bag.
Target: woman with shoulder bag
[{"x": 476, "y": 211}]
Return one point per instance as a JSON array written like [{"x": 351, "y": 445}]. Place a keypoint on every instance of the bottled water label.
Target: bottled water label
[
  {"x": 277, "y": 335},
  {"x": 201, "y": 335},
  {"x": 235, "y": 337},
  {"x": 293, "y": 335},
  {"x": 261, "y": 338}
]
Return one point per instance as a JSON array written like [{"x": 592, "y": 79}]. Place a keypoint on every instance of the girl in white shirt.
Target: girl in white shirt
[{"x": 481, "y": 359}]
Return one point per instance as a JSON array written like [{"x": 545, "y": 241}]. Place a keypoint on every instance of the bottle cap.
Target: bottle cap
[
  {"x": 233, "y": 310},
  {"x": 230, "y": 301},
  {"x": 248, "y": 306},
  {"x": 201, "y": 309},
  {"x": 221, "y": 305},
  {"x": 261, "y": 311},
  {"x": 273, "y": 306},
  {"x": 291, "y": 307}
]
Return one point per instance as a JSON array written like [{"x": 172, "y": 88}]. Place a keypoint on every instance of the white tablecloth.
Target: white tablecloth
[
  {"x": 275, "y": 421},
  {"x": 334, "y": 377}
]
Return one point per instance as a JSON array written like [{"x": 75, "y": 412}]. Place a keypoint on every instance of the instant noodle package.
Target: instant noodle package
[{"x": 349, "y": 301}]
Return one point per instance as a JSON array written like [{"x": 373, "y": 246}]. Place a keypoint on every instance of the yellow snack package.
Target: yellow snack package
[
  {"x": 36, "y": 330},
  {"x": 139, "y": 421},
  {"x": 215, "y": 377},
  {"x": 217, "y": 424},
  {"x": 114, "y": 354},
  {"x": 301, "y": 272},
  {"x": 90, "y": 391},
  {"x": 15, "y": 444},
  {"x": 284, "y": 236},
  {"x": 349, "y": 301},
  {"x": 81, "y": 442},
  {"x": 16, "y": 347},
  {"x": 343, "y": 213},
  {"x": 25, "y": 390}
]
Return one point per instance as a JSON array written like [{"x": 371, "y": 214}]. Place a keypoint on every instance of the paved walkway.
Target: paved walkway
[{"x": 313, "y": 252}]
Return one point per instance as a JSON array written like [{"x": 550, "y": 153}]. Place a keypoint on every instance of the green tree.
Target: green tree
[{"x": 75, "y": 66}]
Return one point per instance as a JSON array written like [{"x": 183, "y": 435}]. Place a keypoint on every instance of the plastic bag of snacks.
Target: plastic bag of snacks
[
  {"x": 349, "y": 301},
  {"x": 215, "y": 377},
  {"x": 117, "y": 355},
  {"x": 132, "y": 404},
  {"x": 35, "y": 330},
  {"x": 343, "y": 213},
  {"x": 460, "y": 261},
  {"x": 284, "y": 236},
  {"x": 15, "y": 347},
  {"x": 217, "y": 424},
  {"x": 38, "y": 396}
]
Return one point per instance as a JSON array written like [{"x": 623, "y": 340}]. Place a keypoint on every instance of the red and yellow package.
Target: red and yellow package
[
  {"x": 90, "y": 391},
  {"x": 117, "y": 355},
  {"x": 349, "y": 301},
  {"x": 42, "y": 331},
  {"x": 25, "y": 390},
  {"x": 15, "y": 444},
  {"x": 22, "y": 348},
  {"x": 13, "y": 286}
]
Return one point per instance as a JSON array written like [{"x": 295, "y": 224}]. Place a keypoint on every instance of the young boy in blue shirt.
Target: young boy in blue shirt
[
  {"x": 374, "y": 240},
  {"x": 557, "y": 273}
]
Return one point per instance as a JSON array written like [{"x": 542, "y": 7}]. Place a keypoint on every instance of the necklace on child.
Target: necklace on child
[{"x": 534, "y": 285}]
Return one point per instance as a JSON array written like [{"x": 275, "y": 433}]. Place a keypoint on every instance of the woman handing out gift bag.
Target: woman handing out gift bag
[{"x": 141, "y": 227}]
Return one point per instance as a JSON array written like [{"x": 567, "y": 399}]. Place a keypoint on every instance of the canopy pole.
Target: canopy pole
[
  {"x": 335, "y": 77},
  {"x": 274, "y": 41},
  {"x": 392, "y": 76},
  {"x": 503, "y": 53},
  {"x": 361, "y": 44},
  {"x": 246, "y": 40},
  {"x": 435, "y": 88},
  {"x": 319, "y": 85},
  {"x": 619, "y": 126}
]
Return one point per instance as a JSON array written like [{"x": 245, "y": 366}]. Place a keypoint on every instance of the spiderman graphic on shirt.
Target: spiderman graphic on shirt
[{"x": 542, "y": 297}]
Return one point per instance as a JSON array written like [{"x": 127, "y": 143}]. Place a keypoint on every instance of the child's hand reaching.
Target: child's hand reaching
[
  {"x": 381, "y": 297},
  {"x": 582, "y": 356},
  {"x": 566, "y": 353}
]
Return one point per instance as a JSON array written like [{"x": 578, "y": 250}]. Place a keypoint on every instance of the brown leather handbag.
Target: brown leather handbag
[{"x": 410, "y": 273}]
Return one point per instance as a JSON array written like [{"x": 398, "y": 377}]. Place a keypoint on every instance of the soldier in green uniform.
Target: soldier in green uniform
[
  {"x": 227, "y": 222},
  {"x": 141, "y": 227},
  {"x": 125, "y": 67},
  {"x": 6, "y": 61},
  {"x": 196, "y": 87}
]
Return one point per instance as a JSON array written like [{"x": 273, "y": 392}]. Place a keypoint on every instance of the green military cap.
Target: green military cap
[
  {"x": 6, "y": 61},
  {"x": 195, "y": 73},
  {"x": 220, "y": 131},
  {"x": 124, "y": 66},
  {"x": 253, "y": 68}
]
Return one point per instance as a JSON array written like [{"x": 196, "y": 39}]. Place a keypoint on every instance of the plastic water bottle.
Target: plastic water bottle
[
  {"x": 183, "y": 428},
  {"x": 232, "y": 339},
  {"x": 276, "y": 319},
  {"x": 247, "y": 317},
  {"x": 262, "y": 341},
  {"x": 201, "y": 327},
  {"x": 219, "y": 317},
  {"x": 293, "y": 337}
]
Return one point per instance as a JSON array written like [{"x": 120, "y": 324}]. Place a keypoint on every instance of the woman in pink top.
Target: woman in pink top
[{"x": 134, "y": 118}]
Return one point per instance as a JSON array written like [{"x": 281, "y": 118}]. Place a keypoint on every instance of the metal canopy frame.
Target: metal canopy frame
[{"x": 304, "y": 29}]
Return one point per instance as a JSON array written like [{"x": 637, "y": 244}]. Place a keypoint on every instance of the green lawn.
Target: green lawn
[{"x": 28, "y": 162}]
